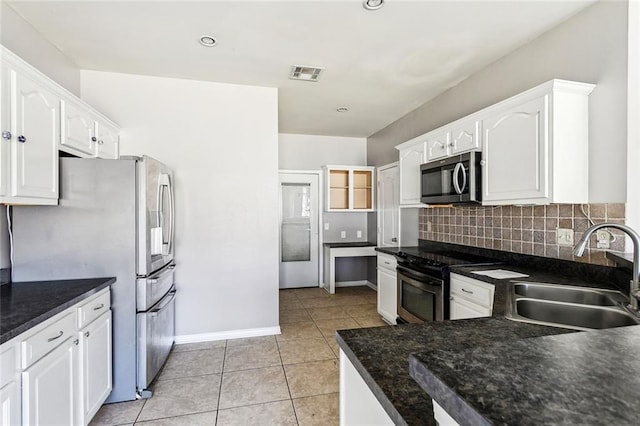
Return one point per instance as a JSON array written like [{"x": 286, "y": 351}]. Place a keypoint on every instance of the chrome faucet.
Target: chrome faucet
[{"x": 634, "y": 292}]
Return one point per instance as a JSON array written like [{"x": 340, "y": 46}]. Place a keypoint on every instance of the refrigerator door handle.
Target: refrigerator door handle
[{"x": 165, "y": 185}]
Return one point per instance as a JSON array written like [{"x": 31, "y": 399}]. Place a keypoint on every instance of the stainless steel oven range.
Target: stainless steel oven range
[{"x": 423, "y": 283}]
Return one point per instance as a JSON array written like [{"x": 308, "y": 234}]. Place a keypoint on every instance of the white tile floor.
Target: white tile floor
[{"x": 289, "y": 379}]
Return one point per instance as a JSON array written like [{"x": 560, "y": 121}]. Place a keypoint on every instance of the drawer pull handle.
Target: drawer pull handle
[
  {"x": 86, "y": 334},
  {"x": 75, "y": 342},
  {"x": 467, "y": 291},
  {"x": 387, "y": 263},
  {"x": 97, "y": 308},
  {"x": 51, "y": 339}
]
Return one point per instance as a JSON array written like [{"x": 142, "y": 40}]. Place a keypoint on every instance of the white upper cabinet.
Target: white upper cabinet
[
  {"x": 465, "y": 136},
  {"x": 455, "y": 138},
  {"x": 438, "y": 144},
  {"x": 78, "y": 128},
  {"x": 108, "y": 140},
  {"x": 535, "y": 146},
  {"x": 86, "y": 134},
  {"x": 30, "y": 134},
  {"x": 37, "y": 118},
  {"x": 412, "y": 155}
]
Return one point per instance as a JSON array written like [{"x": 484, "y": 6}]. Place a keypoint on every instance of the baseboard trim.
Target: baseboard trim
[
  {"x": 226, "y": 335},
  {"x": 355, "y": 283}
]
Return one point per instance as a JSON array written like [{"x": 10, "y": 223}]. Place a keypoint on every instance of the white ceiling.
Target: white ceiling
[{"x": 380, "y": 64}]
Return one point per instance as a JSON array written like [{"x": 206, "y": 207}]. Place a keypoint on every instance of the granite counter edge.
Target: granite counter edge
[
  {"x": 448, "y": 399},
  {"x": 22, "y": 328},
  {"x": 388, "y": 406}
]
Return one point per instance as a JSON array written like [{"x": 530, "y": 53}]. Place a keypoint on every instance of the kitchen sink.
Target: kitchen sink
[
  {"x": 560, "y": 293},
  {"x": 580, "y": 308},
  {"x": 575, "y": 315}
]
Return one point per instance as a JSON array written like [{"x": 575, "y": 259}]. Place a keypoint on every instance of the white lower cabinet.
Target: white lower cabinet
[
  {"x": 96, "y": 372},
  {"x": 462, "y": 309},
  {"x": 58, "y": 373},
  {"x": 470, "y": 298},
  {"x": 358, "y": 405},
  {"x": 49, "y": 388},
  {"x": 442, "y": 417},
  {"x": 387, "y": 288},
  {"x": 10, "y": 404}
]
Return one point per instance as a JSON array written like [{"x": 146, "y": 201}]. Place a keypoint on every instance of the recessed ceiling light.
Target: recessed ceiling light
[
  {"x": 342, "y": 109},
  {"x": 372, "y": 4},
  {"x": 208, "y": 41}
]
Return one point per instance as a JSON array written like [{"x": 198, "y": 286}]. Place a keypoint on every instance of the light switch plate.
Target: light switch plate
[
  {"x": 564, "y": 237},
  {"x": 358, "y": 234},
  {"x": 343, "y": 234},
  {"x": 326, "y": 226}
]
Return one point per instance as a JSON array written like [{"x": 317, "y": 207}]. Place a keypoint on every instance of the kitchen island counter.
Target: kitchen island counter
[
  {"x": 580, "y": 378},
  {"x": 24, "y": 305},
  {"x": 381, "y": 357}
]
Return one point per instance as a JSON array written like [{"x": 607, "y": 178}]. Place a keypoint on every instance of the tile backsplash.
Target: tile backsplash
[{"x": 522, "y": 229}]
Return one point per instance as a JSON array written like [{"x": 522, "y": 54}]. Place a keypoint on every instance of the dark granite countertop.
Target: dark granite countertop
[
  {"x": 581, "y": 378},
  {"x": 351, "y": 244},
  {"x": 26, "y": 304},
  {"x": 381, "y": 356}
]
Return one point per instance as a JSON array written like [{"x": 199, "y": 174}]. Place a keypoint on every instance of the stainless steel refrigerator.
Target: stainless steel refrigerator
[{"x": 115, "y": 218}]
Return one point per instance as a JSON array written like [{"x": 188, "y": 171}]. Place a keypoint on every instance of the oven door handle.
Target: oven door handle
[{"x": 456, "y": 172}]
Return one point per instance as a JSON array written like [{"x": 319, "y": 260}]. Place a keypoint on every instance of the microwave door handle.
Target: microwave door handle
[
  {"x": 456, "y": 172},
  {"x": 464, "y": 178}
]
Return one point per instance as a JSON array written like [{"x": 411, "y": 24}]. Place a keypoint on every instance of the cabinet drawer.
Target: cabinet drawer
[
  {"x": 47, "y": 339},
  {"x": 93, "y": 308},
  {"x": 7, "y": 364},
  {"x": 387, "y": 261},
  {"x": 475, "y": 291}
]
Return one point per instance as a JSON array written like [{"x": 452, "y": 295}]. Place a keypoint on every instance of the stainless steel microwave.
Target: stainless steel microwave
[{"x": 452, "y": 180}]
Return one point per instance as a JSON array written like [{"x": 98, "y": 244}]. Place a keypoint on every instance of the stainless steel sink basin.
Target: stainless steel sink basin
[
  {"x": 580, "y": 308},
  {"x": 559, "y": 293},
  {"x": 574, "y": 315}
]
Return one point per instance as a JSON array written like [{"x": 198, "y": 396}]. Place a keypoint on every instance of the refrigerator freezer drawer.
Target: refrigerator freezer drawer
[
  {"x": 156, "y": 329},
  {"x": 151, "y": 289}
]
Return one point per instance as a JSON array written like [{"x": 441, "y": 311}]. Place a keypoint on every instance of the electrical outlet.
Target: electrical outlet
[
  {"x": 358, "y": 234},
  {"x": 603, "y": 239},
  {"x": 326, "y": 226},
  {"x": 343, "y": 234},
  {"x": 564, "y": 237},
  {"x": 428, "y": 226}
]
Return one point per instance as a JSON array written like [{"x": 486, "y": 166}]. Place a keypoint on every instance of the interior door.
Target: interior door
[
  {"x": 299, "y": 252},
  {"x": 388, "y": 205}
]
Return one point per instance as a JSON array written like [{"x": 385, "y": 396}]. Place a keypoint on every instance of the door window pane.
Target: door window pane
[{"x": 296, "y": 222}]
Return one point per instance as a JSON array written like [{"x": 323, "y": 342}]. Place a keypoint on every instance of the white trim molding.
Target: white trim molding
[{"x": 226, "y": 335}]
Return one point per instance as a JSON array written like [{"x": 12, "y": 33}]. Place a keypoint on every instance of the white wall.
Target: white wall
[
  {"x": 221, "y": 140},
  {"x": 310, "y": 152},
  {"x": 23, "y": 40}
]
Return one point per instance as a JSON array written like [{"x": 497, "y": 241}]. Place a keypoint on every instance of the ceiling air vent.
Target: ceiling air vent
[{"x": 305, "y": 72}]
